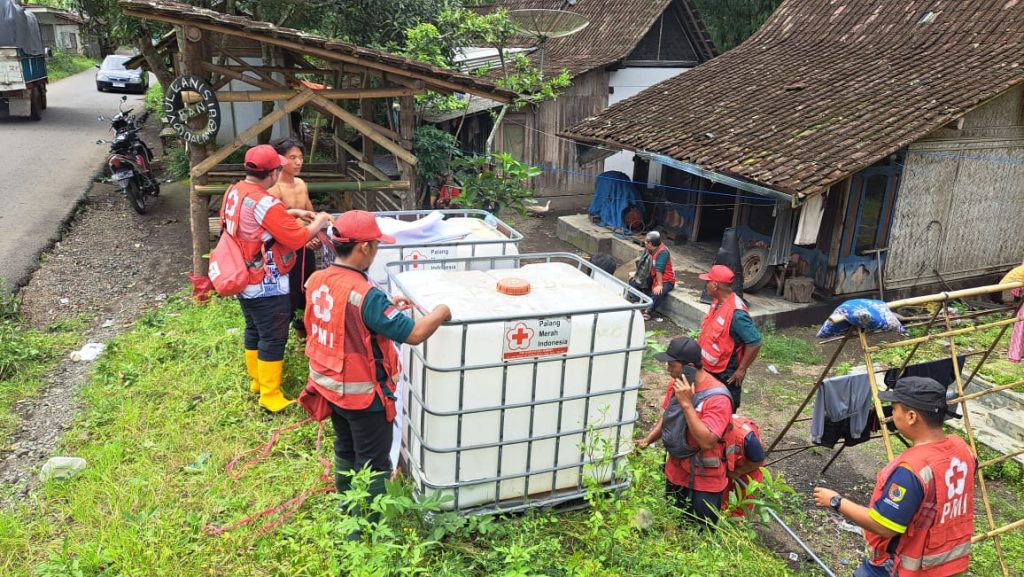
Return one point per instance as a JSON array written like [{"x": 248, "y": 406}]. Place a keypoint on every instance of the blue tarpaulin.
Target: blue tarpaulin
[{"x": 613, "y": 193}]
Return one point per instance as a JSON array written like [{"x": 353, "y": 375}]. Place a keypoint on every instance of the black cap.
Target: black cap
[
  {"x": 920, "y": 393},
  {"x": 682, "y": 349}
]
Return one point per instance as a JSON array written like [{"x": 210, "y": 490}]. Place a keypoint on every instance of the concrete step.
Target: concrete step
[
  {"x": 683, "y": 306},
  {"x": 1008, "y": 423},
  {"x": 996, "y": 429}
]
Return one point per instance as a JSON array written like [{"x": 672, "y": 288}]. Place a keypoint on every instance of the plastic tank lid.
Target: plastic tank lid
[{"x": 513, "y": 286}]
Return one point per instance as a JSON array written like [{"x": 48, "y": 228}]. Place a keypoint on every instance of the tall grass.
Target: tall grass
[{"x": 168, "y": 406}]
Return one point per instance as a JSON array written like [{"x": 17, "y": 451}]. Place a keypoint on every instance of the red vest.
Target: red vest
[
  {"x": 244, "y": 196},
  {"x": 705, "y": 465},
  {"x": 339, "y": 345},
  {"x": 937, "y": 542},
  {"x": 669, "y": 275},
  {"x": 735, "y": 458},
  {"x": 716, "y": 344}
]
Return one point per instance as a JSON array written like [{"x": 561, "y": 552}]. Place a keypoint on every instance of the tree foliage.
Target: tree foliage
[{"x": 733, "y": 21}]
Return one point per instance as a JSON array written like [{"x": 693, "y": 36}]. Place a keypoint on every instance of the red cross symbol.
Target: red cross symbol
[
  {"x": 416, "y": 255},
  {"x": 520, "y": 336}
]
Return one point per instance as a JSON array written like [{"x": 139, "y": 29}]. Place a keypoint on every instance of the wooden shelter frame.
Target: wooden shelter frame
[
  {"x": 358, "y": 74},
  {"x": 932, "y": 332}
]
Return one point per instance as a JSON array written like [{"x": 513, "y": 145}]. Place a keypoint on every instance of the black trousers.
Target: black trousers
[
  {"x": 735, "y": 389},
  {"x": 703, "y": 505},
  {"x": 266, "y": 325},
  {"x": 305, "y": 265},
  {"x": 362, "y": 437}
]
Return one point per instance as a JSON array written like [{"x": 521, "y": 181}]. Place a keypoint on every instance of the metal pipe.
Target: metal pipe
[{"x": 793, "y": 536}]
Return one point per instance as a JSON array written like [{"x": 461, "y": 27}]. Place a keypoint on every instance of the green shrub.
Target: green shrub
[
  {"x": 63, "y": 64},
  {"x": 155, "y": 99}
]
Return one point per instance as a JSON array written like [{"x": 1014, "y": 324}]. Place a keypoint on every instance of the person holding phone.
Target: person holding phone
[{"x": 695, "y": 484}]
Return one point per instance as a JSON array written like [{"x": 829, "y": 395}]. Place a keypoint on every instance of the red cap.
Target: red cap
[
  {"x": 358, "y": 226},
  {"x": 719, "y": 273},
  {"x": 264, "y": 157}
]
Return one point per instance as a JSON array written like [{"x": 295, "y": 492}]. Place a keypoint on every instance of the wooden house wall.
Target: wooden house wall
[
  {"x": 563, "y": 181},
  {"x": 959, "y": 209}
]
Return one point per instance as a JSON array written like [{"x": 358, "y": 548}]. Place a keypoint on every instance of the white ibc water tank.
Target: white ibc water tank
[
  {"x": 507, "y": 405},
  {"x": 465, "y": 233}
]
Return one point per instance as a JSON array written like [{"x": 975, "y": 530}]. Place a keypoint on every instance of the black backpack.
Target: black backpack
[{"x": 673, "y": 424}]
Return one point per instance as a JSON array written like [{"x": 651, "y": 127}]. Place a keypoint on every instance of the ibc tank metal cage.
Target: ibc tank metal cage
[{"x": 540, "y": 484}]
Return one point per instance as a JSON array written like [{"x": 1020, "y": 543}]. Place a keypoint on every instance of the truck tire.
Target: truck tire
[
  {"x": 756, "y": 272},
  {"x": 42, "y": 91},
  {"x": 35, "y": 110}
]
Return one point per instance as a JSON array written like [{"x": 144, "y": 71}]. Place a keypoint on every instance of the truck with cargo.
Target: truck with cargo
[{"x": 23, "y": 75}]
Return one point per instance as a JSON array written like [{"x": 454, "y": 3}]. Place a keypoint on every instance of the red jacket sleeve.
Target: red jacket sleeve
[{"x": 284, "y": 228}]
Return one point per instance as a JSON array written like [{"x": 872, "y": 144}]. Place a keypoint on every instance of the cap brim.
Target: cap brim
[
  {"x": 888, "y": 396},
  {"x": 664, "y": 357},
  {"x": 704, "y": 276},
  {"x": 386, "y": 239}
]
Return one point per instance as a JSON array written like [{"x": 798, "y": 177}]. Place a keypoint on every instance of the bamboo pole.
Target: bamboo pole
[
  {"x": 264, "y": 123},
  {"x": 433, "y": 81},
  {"x": 339, "y": 186},
  {"x": 272, "y": 95},
  {"x": 360, "y": 158},
  {"x": 996, "y": 532},
  {"x": 1001, "y": 458},
  {"x": 810, "y": 394},
  {"x": 368, "y": 129},
  {"x": 874, "y": 391},
  {"x": 936, "y": 336},
  {"x": 953, "y": 295},
  {"x": 974, "y": 446},
  {"x": 910, "y": 355}
]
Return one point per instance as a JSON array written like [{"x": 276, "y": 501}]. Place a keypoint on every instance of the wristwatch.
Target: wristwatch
[{"x": 834, "y": 502}]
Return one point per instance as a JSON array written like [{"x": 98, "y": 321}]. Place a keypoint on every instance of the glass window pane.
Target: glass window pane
[{"x": 871, "y": 212}]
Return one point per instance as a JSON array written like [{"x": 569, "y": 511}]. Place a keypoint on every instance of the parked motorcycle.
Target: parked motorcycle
[{"x": 131, "y": 160}]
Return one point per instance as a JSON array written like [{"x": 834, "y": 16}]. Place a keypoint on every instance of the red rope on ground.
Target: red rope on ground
[{"x": 286, "y": 509}]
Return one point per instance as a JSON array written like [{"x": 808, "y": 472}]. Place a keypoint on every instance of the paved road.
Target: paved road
[{"x": 46, "y": 167}]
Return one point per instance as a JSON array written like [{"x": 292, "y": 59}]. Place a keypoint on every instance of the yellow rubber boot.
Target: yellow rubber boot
[
  {"x": 271, "y": 397},
  {"x": 252, "y": 365}
]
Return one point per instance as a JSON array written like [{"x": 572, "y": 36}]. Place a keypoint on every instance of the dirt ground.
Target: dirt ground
[{"x": 112, "y": 265}]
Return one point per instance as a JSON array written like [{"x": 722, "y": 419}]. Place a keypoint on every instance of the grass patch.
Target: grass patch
[
  {"x": 784, "y": 351},
  {"x": 63, "y": 64},
  {"x": 26, "y": 357},
  {"x": 155, "y": 99},
  {"x": 168, "y": 406},
  {"x": 997, "y": 370}
]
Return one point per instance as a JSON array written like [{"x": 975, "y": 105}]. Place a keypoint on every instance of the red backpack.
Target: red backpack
[{"x": 229, "y": 272}]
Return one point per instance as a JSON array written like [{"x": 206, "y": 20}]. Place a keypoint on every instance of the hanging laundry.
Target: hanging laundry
[
  {"x": 810, "y": 220},
  {"x": 940, "y": 370},
  {"x": 843, "y": 410},
  {"x": 1016, "y": 351}
]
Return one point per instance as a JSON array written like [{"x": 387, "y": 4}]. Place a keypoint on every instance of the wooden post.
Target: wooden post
[
  {"x": 407, "y": 129},
  {"x": 366, "y": 113},
  {"x": 199, "y": 205}
]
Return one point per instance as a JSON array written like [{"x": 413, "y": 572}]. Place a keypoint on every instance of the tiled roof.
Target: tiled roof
[
  {"x": 824, "y": 89},
  {"x": 241, "y": 26},
  {"x": 615, "y": 29}
]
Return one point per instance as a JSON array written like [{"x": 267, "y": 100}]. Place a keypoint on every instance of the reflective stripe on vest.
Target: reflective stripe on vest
[
  {"x": 341, "y": 387},
  {"x": 340, "y": 346},
  {"x": 938, "y": 537},
  {"x": 931, "y": 561},
  {"x": 716, "y": 344}
]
